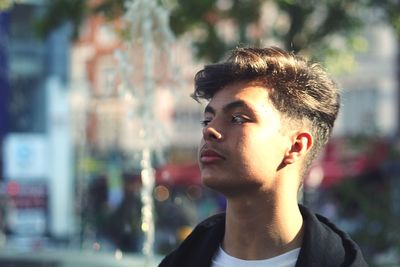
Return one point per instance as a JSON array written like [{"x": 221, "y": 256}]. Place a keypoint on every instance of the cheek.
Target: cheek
[
  {"x": 264, "y": 150},
  {"x": 248, "y": 149}
]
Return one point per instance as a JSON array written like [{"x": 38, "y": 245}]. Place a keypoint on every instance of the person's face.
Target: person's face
[{"x": 243, "y": 143}]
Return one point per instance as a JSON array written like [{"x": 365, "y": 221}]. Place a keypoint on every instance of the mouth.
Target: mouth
[{"x": 208, "y": 156}]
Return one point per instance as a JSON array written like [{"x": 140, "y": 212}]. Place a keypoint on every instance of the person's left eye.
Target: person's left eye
[{"x": 238, "y": 119}]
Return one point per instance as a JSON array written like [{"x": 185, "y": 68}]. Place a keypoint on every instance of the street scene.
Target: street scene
[{"x": 99, "y": 134}]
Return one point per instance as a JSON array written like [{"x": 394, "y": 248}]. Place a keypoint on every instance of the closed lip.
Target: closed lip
[{"x": 210, "y": 155}]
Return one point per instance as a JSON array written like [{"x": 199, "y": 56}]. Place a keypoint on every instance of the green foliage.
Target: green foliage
[
  {"x": 5, "y": 4},
  {"x": 189, "y": 15},
  {"x": 312, "y": 27},
  {"x": 110, "y": 9},
  {"x": 61, "y": 11},
  {"x": 203, "y": 17},
  {"x": 310, "y": 24}
]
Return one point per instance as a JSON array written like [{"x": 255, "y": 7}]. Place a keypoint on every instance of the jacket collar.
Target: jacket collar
[{"x": 323, "y": 244}]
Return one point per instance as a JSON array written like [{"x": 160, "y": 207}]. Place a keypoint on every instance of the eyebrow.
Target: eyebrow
[{"x": 228, "y": 107}]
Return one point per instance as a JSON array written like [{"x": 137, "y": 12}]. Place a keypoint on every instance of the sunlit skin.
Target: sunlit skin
[{"x": 249, "y": 154}]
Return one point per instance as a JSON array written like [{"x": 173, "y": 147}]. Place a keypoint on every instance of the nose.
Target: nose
[{"x": 210, "y": 133}]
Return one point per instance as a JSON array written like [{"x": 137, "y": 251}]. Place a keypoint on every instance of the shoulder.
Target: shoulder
[{"x": 199, "y": 247}]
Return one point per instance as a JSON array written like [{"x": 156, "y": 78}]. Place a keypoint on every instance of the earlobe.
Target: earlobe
[{"x": 301, "y": 145}]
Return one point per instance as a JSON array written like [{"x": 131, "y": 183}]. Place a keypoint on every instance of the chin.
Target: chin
[
  {"x": 223, "y": 186},
  {"x": 208, "y": 180},
  {"x": 230, "y": 188},
  {"x": 213, "y": 182}
]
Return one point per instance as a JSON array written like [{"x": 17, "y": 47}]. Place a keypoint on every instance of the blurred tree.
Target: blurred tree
[
  {"x": 327, "y": 30},
  {"x": 310, "y": 26},
  {"x": 206, "y": 19},
  {"x": 5, "y": 4}
]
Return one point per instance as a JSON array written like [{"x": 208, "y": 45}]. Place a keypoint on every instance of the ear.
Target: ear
[{"x": 301, "y": 145}]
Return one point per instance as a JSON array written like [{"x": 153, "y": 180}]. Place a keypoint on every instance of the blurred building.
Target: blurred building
[
  {"x": 4, "y": 79},
  {"x": 370, "y": 90},
  {"x": 108, "y": 122},
  {"x": 34, "y": 128}
]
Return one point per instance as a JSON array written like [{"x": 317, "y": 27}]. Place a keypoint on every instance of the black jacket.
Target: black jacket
[{"x": 323, "y": 245}]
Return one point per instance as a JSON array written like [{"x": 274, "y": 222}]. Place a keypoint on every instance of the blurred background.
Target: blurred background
[{"x": 97, "y": 126}]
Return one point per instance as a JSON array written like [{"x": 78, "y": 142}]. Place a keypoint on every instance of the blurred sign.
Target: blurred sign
[
  {"x": 26, "y": 207},
  {"x": 25, "y": 156},
  {"x": 27, "y": 221}
]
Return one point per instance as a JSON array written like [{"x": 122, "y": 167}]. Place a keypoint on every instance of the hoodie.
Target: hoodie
[{"x": 323, "y": 244}]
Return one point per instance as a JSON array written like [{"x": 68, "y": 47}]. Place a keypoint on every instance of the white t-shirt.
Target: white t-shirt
[{"x": 288, "y": 259}]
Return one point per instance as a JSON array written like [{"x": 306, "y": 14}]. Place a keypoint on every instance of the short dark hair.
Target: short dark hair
[{"x": 298, "y": 88}]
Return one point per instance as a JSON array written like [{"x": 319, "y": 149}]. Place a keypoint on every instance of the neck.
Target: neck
[{"x": 262, "y": 226}]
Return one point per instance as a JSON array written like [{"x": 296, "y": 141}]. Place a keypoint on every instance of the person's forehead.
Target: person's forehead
[{"x": 249, "y": 93}]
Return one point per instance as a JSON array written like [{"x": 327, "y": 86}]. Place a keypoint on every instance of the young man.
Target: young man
[{"x": 269, "y": 114}]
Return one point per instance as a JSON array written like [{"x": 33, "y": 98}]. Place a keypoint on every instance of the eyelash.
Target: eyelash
[
  {"x": 237, "y": 119},
  {"x": 205, "y": 122}
]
